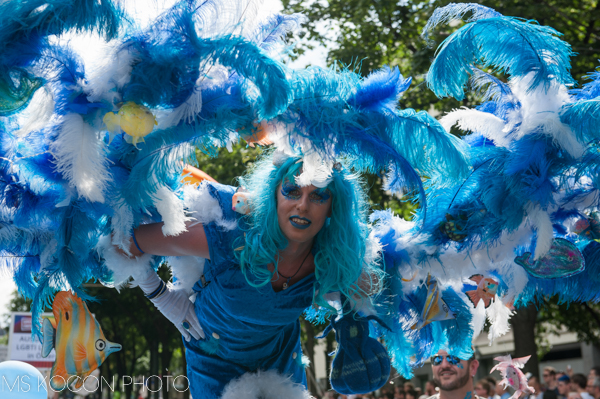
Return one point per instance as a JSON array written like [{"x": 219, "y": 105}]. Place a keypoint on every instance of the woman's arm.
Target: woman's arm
[{"x": 151, "y": 240}]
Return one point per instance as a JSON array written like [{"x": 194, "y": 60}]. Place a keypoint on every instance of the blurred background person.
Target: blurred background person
[
  {"x": 579, "y": 385},
  {"x": 412, "y": 394},
  {"x": 399, "y": 392},
  {"x": 501, "y": 392},
  {"x": 534, "y": 382},
  {"x": 483, "y": 389},
  {"x": 564, "y": 386},
  {"x": 430, "y": 388},
  {"x": 594, "y": 372},
  {"x": 593, "y": 387},
  {"x": 550, "y": 382}
]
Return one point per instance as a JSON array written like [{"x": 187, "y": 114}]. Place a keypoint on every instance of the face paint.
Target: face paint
[
  {"x": 320, "y": 196},
  {"x": 468, "y": 395},
  {"x": 290, "y": 191},
  {"x": 293, "y": 192},
  {"x": 460, "y": 366}
]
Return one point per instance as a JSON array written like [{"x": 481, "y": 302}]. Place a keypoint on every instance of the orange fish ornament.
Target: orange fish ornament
[
  {"x": 486, "y": 290},
  {"x": 258, "y": 134},
  {"x": 78, "y": 340}
]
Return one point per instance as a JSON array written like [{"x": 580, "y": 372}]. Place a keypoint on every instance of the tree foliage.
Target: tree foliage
[{"x": 581, "y": 318}]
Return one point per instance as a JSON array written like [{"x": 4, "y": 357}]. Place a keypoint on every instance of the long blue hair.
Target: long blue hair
[{"x": 339, "y": 248}]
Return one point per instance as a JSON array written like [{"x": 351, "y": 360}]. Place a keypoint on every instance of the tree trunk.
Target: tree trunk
[
  {"x": 330, "y": 339},
  {"x": 165, "y": 359},
  {"x": 186, "y": 394},
  {"x": 523, "y": 326},
  {"x": 309, "y": 348},
  {"x": 153, "y": 382}
]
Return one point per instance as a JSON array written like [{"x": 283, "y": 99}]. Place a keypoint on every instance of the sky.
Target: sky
[{"x": 316, "y": 57}]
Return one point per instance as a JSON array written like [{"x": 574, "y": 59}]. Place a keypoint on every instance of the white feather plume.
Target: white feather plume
[
  {"x": 123, "y": 267},
  {"x": 478, "y": 320},
  {"x": 315, "y": 170},
  {"x": 172, "y": 211},
  {"x": 80, "y": 157},
  {"x": 490, "y": 126},
  {"x": 38, "y": 113},
  {"x": 266, "y": 385},
  {"x": 122, "y": 226},
  {"x": 204, "y": 207},
  {"x": 540, "y": 220},
  {"x": 498, "y": 315},
  {"x": 112, "y": 72},
  {"x": 539, "y": 111},
  {"x": 186, "y": 270},
  {"x": 215, "y": 18}
]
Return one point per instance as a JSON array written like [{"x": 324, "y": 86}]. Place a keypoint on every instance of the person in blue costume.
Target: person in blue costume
[{"x": 296, "y": 245}]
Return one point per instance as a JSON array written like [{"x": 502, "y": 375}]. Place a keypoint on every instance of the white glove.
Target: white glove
[{"x": 173, "y": 304}]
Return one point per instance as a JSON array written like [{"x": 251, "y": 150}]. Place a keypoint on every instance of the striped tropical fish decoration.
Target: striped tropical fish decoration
[{"x": 78, "y": 340}]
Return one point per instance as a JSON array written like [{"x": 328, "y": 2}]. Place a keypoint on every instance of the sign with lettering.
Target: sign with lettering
[{"x": 20, "y": 345}]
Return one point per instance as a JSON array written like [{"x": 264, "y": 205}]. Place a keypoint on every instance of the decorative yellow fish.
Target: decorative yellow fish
[
  {"x": 134, "y": 119},
  {"x": 78, "y": 340},
  {"x": 435, "y": 309}
]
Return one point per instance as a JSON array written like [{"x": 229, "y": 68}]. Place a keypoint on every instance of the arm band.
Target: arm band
[
  {"x": 136, "y": 243},
  {"x": 162, "y": 287}
]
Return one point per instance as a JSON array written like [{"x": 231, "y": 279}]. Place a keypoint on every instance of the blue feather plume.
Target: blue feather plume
[
  {"x": 271, "y": 34},
  {"x": 508, "y": 45},
  {"x": 443, "y": 15},
  {"x": 583, "y": 117},
  {"x": 380, "y": 90}
]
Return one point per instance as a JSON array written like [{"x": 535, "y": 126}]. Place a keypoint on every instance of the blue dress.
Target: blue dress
[{"x": 247, "y": 328}]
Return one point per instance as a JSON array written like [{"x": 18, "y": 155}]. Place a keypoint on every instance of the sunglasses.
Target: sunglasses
[{"x": 451, "y": 359}]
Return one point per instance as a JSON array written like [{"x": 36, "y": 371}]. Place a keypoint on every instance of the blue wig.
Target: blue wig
[{"x": 339, "y": 248}]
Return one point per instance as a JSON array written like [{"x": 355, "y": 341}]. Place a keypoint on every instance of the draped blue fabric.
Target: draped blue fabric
[{"x": 247, "y": 328}]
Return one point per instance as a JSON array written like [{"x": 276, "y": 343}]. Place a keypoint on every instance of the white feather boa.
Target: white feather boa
[
  {"x": 80, "y": 157},
  {"x": 264, "y": 385}
]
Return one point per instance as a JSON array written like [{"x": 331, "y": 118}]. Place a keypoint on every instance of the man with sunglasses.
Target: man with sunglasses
[{"x": 453, "y": 376}]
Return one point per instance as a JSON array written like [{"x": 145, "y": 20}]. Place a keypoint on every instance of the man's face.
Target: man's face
[
  {"x": 591, "y": 389},
  {"x": 563, "y": 388},
  {"x": 481, "y": 391},
  {"x": 429, "y": 389},
  {"x": 452, "y": 375},
  {"x": 548, "y": 377}
]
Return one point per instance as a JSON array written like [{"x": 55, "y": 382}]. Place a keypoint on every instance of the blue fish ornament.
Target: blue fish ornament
[
  {"x": 563, "y": 259},
  {"x": 435, "y": 309}
]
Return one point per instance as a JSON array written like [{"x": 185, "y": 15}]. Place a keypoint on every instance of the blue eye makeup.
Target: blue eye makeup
[
  {"x": 320, "y": 196},
  {"x": 294, "y": 192},
  {"x": 290, "y": 191}
]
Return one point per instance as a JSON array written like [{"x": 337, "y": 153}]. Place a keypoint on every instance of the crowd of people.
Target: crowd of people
[{"x": 454, "y": 378}]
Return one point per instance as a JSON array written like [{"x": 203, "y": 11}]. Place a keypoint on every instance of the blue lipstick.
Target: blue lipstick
[{"x": 300, "y": 226}]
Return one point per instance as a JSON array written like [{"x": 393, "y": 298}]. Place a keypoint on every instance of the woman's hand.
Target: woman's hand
[{"x": 173, "y": 304}]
